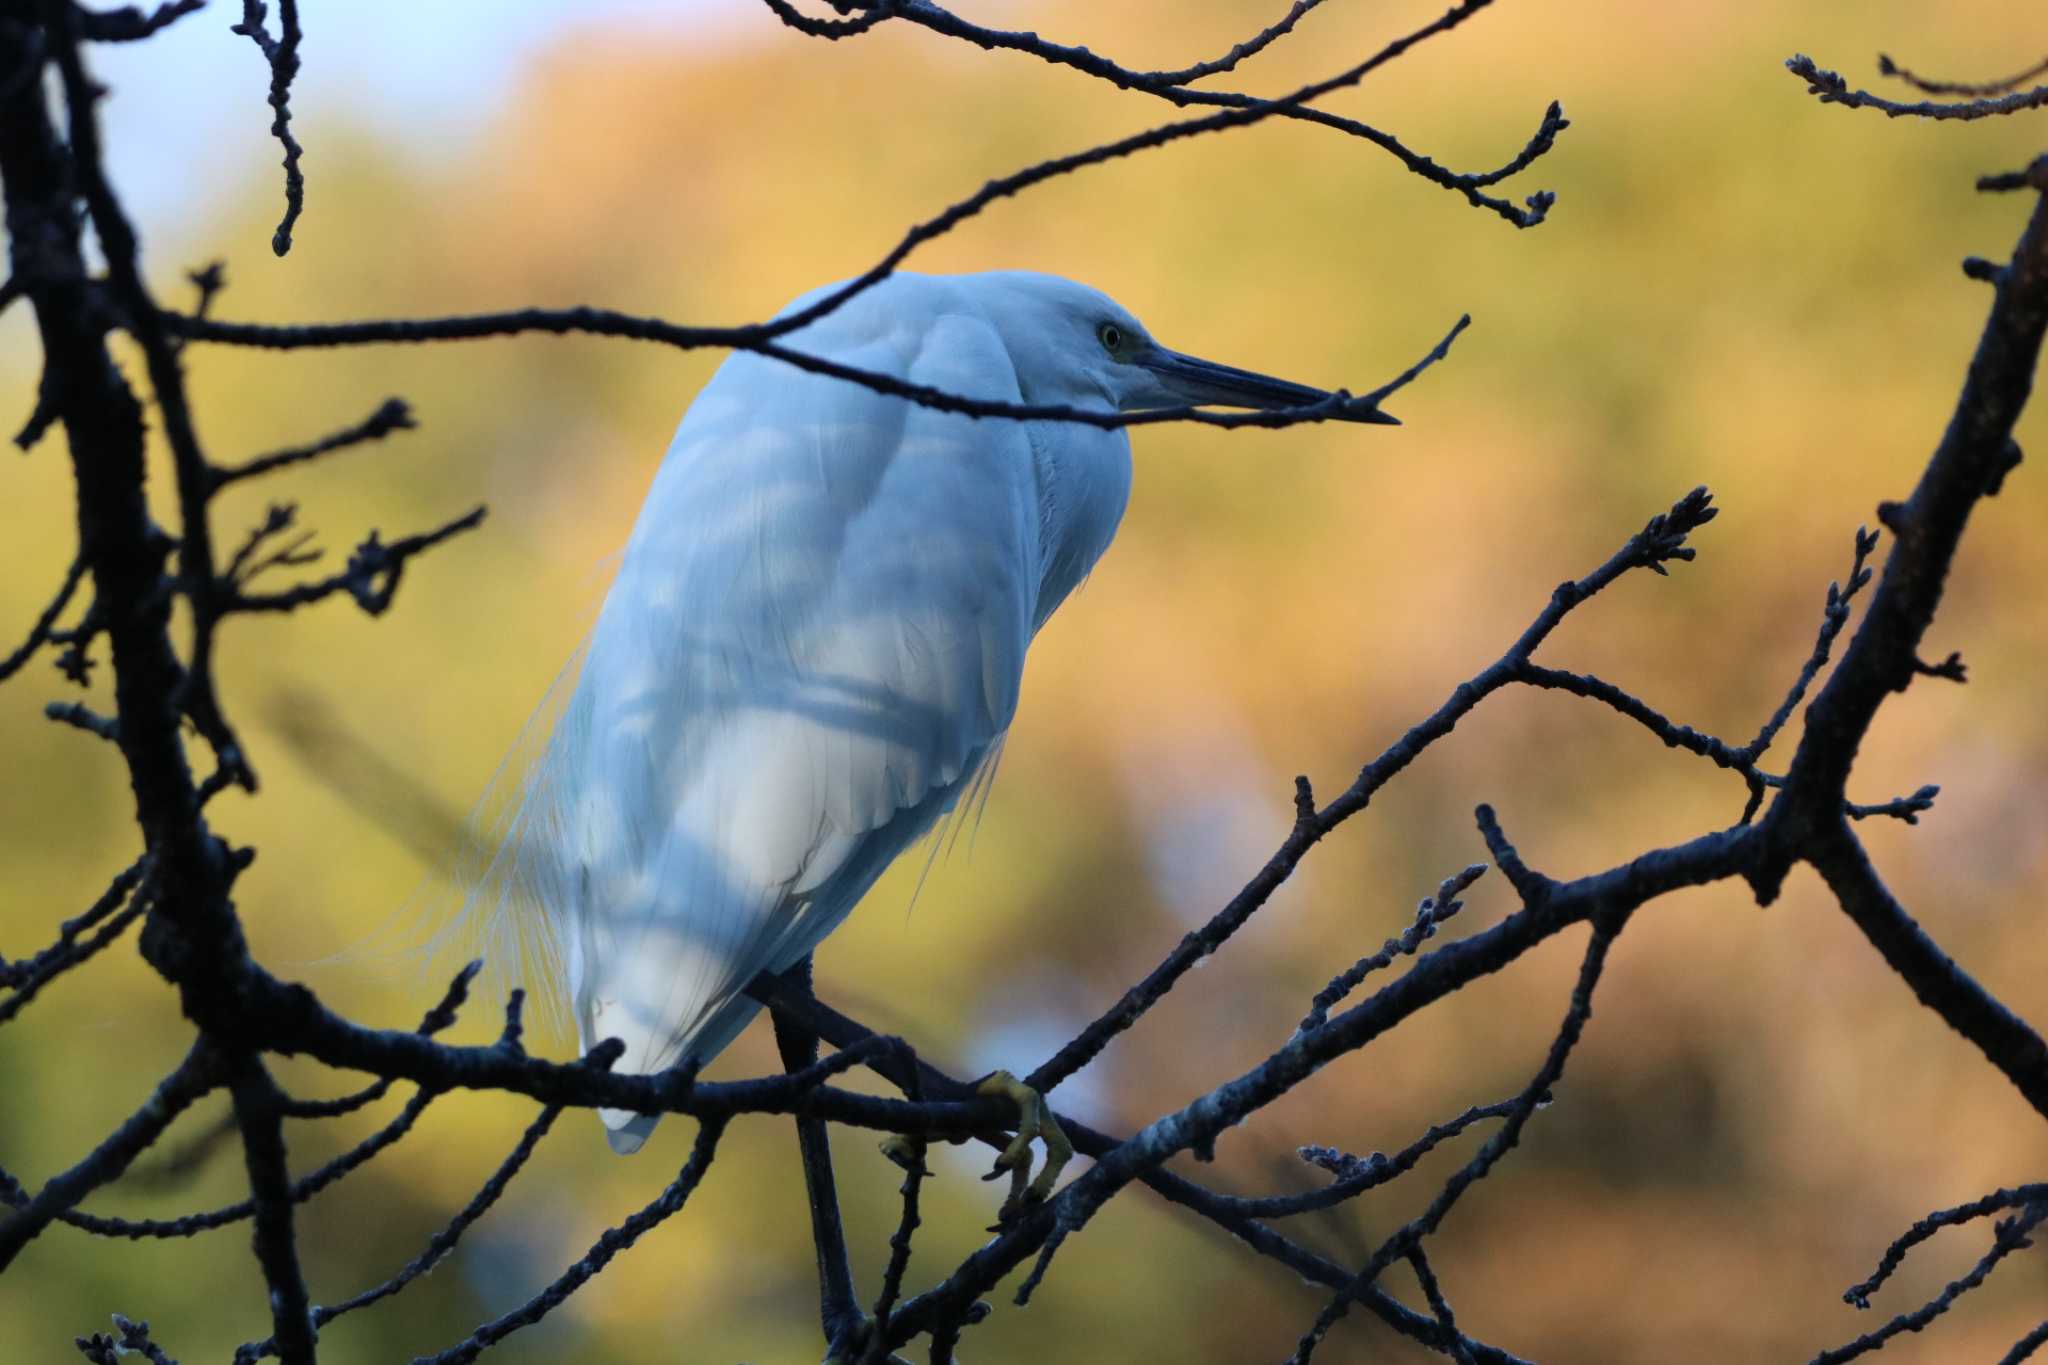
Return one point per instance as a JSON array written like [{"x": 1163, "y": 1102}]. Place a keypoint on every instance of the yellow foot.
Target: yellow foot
[
  {"x": 907, "y": 1152},
  {"x": 1034, "y": 1120}
]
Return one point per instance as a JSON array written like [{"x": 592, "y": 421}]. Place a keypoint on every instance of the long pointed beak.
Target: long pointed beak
[{"x": 1193, "y": 380}]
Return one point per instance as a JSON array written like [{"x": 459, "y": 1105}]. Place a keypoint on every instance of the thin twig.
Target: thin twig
[
  {"x": 666, "y": 1204},
  {"x": 392, "y": 415},
  {"x": 1832, "y": 89},
  {"x": 1412, "y": 1234},
  {"x": 439, "y": 1246},
  {"x": 282, "y": 55},
  {"x": 1973, "y": 91},
  {"x": 1998, "y": 1201},
  {"x": 119, "y": 906},
  {"x": 193, "y": 1077},
  {"x": 1165, "y": 86},
  {"x": 1337, "y": 407},
  {"x": 39, "y": 633},
  {"x": 2013, "y": 1234},
  {"x": 1662, "y": 539},
  {"x": 1433, "y": 911},
  {"x": 372, "y": 575}
]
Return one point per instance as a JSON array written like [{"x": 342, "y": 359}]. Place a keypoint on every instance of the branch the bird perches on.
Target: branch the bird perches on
[{"x": 157, "y": 599}]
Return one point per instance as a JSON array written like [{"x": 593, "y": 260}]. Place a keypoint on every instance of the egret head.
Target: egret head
[{"x": 1077, "y": 346}]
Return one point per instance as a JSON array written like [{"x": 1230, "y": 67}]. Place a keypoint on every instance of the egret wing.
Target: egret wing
[{"x": 815, "y": 637}]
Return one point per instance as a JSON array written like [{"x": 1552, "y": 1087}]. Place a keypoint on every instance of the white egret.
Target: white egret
[{"x": 814, "y": 643}]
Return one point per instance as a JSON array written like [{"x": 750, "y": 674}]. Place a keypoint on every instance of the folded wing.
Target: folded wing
[{"x": 815, "y": 638}]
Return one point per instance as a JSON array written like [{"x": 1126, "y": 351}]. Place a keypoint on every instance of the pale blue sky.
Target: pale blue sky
[{"x": 189, "y": 104}]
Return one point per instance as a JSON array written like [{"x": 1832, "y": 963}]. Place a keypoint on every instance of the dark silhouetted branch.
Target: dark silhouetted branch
[
  {"x": 1998, "y": 1201},
  {"x": 176, "y": 1167},
  {"x": 282, "y": 55},
  {"x": 1834, "y": 615},
  {"x": 392, "y": 416},
  {"x": 1410, "y": 1237},
  {"x": 1433, "y": 1292},
  {"x": 79, "y": 716},
  {"x": 2005, "y": 1039},
  {"x": 2025, "y": 1347},
  {"x": 1433, "y": 911},
  {"x": 126, "y": 901},
  {"x": 298, "y": 1191},
  {"x": 1226, "y": 1211},
  {"x": 1906, "y": 808},
  {"x": 1662, "y": 539},
  {"x": 1971, "y": 91},
  {"x": 1832, "y": 89},
  {"x": 1239, "y": 52},
  {"x": 1610, "y": 894},
  {"x": 39, "y": 633},
  {"x": 257, "y": 1109},
  {"x": 914, "y": 1172},
  {"x": 102, "y": 1349},
  {"x": 668, "y": 1203},
  {"x": 1806, "y": 821},
  {"x": 442, "y": 1242},
  {"x": 2013, "y": 1234},
  {"x": 1338, "y": 407},
  {"x": 244, "y": 565},
  {"x": 1170, "y": 87},
  {"x": 193, "y": 1077},
  {"x": 834, "y": 29},
  {"x": 13, "y": 974},
  {"x": 436, "y": 1020},
  {"x": 130, "y": 24},
  {"x": 372, "y": 575},
  {"x": 1355, "y": 1175},
  {"x": 244, "y": 1014}
]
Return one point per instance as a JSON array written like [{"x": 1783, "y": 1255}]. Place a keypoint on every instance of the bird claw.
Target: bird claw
[
  {"x": 906, "y": 1152},
  {"x": 1034, "y": 1120}
]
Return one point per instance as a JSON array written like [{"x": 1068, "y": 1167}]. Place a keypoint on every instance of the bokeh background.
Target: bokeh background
[{"x": 1738, "y": 287}]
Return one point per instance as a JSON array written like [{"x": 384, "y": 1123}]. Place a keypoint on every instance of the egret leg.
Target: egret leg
[
  {"x": 839, "y": 1313},
  {"x": 1034, "y": 1120}
]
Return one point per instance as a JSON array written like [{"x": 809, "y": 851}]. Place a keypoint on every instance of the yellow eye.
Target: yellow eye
[{"x": 1111, "y": 336}]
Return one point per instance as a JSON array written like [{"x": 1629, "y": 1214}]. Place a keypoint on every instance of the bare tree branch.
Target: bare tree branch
[
  {"x": 668, "y": 1203},
  {"x": 242, "y": 1014},
  {"x": 258, "y": 1108},
  {"x": 1832, "y": 89},
  {"x": 392, "y": 415},
  {"x": 39, "y": 633},
  {"x": 198, "y": 1074},
  {"x": 282, "y": 55}
]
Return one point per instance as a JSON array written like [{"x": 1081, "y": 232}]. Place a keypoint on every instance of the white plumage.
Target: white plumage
[{"x": 815, "y": 642}]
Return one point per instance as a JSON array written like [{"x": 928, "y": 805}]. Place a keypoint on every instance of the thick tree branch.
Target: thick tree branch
[
  {"x": 258, "y": 1109},
  {"x": 2006, "y": 1040}
]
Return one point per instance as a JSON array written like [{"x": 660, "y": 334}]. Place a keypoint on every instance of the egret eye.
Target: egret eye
[{"x": 1111, "y": 336}]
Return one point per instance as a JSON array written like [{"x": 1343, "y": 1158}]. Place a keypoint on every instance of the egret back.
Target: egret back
[{"x": 815, "y": 638}]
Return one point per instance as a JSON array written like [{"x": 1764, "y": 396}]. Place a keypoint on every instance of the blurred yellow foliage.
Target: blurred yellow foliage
[{"x": 1738, "y": 287}]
